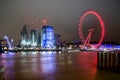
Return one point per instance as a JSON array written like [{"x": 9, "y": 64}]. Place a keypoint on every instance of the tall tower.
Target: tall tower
[
  {"x": 47, "y": 36},
  {"x": 24, "y": 36},
  {"x": 33, "y": 38}
]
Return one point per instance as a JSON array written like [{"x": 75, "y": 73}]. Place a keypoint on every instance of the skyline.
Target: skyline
[{"x": 63, "y": 15}]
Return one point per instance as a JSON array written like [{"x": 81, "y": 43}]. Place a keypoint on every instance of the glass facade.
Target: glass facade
[
  {"x": 44, "y": 39},
  {"x": 33, "y": 40},
  {"x": 47, "y": 37},
  {"x": 24, "y": 36}
]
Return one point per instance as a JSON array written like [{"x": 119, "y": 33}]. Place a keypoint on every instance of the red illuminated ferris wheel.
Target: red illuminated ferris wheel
[{"x": 87, "y": 40}]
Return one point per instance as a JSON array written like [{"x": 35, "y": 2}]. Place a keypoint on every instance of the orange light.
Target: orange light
[{"x": 44, "y": 22}]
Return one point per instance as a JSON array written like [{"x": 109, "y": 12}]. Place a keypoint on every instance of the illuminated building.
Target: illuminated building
[
  {"x": 44, "y": 39},
  {"x": 9, "y": 42},
  {"x": 33, "y": 40},
  {"x": 47, "y": 37},
  {"x": 24, "y": 37}
]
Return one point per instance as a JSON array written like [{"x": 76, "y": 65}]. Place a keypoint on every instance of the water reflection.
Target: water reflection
[
  {"x": 5, "y": 59},
  {"x": 48, "y": 65},
  {"x": 53, "y": 66},
  {"x": 8, "y": 55}
]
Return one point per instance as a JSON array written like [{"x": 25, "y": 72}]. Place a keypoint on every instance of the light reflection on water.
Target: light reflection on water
[{"x": 53, "y": 66}]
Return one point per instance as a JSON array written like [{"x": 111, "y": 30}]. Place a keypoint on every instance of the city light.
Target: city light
[{"x": 9, "y": 42}]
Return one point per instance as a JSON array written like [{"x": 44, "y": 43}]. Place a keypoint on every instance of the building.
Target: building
[
  {"x": 28, "y": 37},
  {"x": 47, "y": 37},
  {"x": 9, "y": 42},
  {"x": 33, "y": 38},
  {"x": 58, "y": 40},
  {"x": 44, "y": 39},
  {"x": 24, "y": 37}
]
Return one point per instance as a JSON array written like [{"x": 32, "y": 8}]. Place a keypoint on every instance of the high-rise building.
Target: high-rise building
[
  {"x": 47, "y": 37},
  {"x": 33, "y": 38},
  {"x": 24, "y": 37}
]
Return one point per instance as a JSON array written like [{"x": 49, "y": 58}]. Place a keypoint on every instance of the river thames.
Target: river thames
[{"x": 54, "y": 66}]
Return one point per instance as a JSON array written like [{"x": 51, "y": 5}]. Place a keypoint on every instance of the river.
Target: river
[{"x": 54, "y": 66}]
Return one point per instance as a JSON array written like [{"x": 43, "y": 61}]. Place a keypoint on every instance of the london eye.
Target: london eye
[{"x": 86, "y": 41}]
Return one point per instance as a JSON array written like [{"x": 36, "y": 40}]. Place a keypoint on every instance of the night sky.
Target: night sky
[{"x": 63, "y": 15}]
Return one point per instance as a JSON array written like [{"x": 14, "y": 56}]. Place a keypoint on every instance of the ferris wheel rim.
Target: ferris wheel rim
[{"x": 96, "y": 14}]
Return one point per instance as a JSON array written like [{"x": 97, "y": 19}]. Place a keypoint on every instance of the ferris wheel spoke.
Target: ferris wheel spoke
[{"x": 87, "y": 40}]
